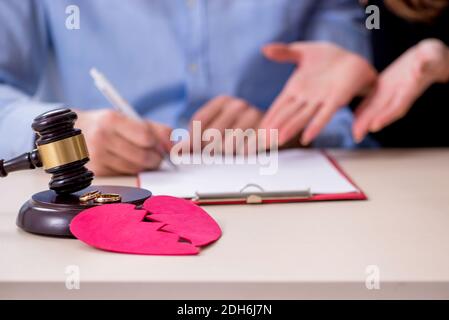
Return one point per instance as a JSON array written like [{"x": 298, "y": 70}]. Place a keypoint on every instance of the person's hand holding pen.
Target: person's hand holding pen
[
  {"x": 120, "y": 142},
  {"x": 121, "y": 145}
]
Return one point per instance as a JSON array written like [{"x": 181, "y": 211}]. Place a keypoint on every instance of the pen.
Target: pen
[{"x": 112, "y": 95}]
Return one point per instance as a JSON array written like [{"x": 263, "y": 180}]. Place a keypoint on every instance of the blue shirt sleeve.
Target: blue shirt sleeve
[
  {"x": 340, "y": 22},
  {"x": 23, "y": 54}
]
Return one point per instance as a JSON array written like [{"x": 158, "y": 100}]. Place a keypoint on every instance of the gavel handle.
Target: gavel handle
[{"x": 26, "y": 161}]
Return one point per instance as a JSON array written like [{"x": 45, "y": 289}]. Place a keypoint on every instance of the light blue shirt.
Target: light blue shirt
[{"x": 167, "y": 57}]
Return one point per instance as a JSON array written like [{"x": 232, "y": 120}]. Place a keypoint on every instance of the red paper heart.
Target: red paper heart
[
  {"x": 184, "y": 218},
  {"x": 122, "y": 227}
]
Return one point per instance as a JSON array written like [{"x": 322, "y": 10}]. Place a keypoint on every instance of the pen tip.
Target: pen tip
[{"x": 93, "y": 72}]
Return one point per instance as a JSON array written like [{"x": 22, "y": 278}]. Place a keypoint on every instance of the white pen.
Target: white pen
[{"x": 117, "y": 101}]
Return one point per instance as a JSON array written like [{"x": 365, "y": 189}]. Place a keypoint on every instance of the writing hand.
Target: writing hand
[{"x": 120, "y": 145}]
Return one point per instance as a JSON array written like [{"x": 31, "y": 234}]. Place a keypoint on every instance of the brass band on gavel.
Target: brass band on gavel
[{"x": 59, "y": 153}]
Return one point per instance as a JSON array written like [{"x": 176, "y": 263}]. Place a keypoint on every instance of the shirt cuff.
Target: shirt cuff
[{"x": 15, "y": 125}]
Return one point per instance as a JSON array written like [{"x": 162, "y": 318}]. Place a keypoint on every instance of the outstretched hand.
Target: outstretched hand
[
  {"x": 327, "y": 78},
  {"x": 400, "y": 85}
]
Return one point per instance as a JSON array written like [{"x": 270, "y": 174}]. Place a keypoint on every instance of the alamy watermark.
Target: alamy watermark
[
  {"x": 236, "y": 146},
  {"x": 372, "y": 21},
  {"x": 73, "y": 277},
  {"x": 372, "y": 280},
  {"x": 73, "y": 19}
]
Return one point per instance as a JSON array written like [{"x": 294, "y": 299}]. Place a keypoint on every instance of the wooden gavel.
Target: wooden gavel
[{"x": 60, "y": 149}]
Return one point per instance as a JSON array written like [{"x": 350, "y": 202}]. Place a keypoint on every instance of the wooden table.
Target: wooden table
[{"x": 304, "y": 250}]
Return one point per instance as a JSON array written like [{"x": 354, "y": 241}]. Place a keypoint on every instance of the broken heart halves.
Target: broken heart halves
[{"x": 165, "y": 226}]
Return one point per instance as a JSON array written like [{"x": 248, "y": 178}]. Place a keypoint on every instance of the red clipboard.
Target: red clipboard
[{"x": 358, "y": 195}]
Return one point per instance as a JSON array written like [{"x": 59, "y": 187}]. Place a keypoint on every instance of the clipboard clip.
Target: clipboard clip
[{"x": 251, "y": 197}]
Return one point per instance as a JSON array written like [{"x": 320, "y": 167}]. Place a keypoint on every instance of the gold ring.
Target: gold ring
[
  {"x": 90, "y": 196},
  {"x": 108, "y": 198}
]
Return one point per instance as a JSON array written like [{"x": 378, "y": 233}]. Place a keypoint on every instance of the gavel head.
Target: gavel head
[{"x": 62, "y": 151}]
